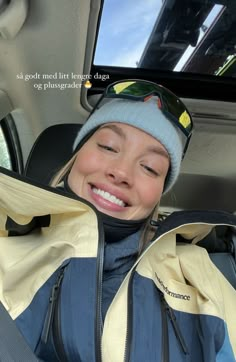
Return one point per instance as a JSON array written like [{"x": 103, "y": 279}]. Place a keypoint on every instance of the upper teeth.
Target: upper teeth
[{"x": 106, "y": 195}]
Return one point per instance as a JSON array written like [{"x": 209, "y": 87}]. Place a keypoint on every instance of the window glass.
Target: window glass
[
  {"x": 173, "y": 35},
  {"x": 5, "y": 160},
  {"x": 124, "y": 31}
]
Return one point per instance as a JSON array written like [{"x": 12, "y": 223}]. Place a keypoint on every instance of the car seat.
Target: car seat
[{"x": 51, "y": 150}]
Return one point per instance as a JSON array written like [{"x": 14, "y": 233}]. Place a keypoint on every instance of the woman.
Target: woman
[
  {"x": 106, "y": 290},
  {"x": 137, "y": 121}
]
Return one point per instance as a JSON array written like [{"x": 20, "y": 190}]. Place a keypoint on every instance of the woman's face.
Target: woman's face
[{"x": 121, "y": 170}]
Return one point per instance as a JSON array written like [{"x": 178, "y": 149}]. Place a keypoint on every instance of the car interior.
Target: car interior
[{"x": 57, "y": 57}]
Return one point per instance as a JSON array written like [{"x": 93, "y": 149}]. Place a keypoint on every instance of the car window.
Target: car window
[
  {"x": 180, "y": 36},
  {"x": 5, "y": 159}
]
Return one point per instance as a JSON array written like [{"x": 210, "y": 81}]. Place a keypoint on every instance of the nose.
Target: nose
[{"x": 120, "y": 173}]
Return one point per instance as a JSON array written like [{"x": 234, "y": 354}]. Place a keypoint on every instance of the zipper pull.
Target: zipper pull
[
  {"x": 177, "y": 330},
  {"x": 50, "y": 312}
]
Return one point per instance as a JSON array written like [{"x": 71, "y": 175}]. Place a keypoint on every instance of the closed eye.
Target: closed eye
[
  {"x": 150, "y": 170},
  {"x": 107, "y": 148}
]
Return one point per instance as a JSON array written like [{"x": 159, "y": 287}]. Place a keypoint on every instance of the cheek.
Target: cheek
[
  {"x": 86, "y": 163},
  {"x": 151, "y": 194}
]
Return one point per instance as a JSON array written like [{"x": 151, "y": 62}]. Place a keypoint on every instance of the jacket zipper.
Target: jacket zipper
[
  {"x": 52, "y": 321},
  {"x": 167, "y": 310},
  {"x": 98, "y": 316},
  {"x": 51, "y": 308},
  {"x": 177, "y": 330},
  {"x": 56, "y": 331},
  {"x": 165, "y": 335},
  {"x": 128, "y": 337}
]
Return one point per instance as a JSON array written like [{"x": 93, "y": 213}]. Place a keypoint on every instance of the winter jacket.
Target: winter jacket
[{"x": 173, "y": 305}]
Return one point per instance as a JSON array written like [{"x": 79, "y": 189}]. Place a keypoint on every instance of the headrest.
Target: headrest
[{"x": 51, "y": 150}]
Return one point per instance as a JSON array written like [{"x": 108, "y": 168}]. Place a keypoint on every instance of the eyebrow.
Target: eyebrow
[
  {"x": 159, "y": 151},
  {"x": 116, "y": 129}
]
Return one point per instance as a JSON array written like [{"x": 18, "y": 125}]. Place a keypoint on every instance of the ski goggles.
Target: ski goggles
[{"x": 168, "y": 103}]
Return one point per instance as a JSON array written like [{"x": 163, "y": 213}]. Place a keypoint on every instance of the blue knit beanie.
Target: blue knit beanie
[{"x": 147, "y": 117}]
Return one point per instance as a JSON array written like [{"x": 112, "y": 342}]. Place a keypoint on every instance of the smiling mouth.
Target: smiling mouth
[{"x": 109, "y": 197}]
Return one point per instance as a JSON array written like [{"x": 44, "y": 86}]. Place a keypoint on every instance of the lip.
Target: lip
[
  {"x": 106, "y": 204},
  {"x": 118, "y": 194}
]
